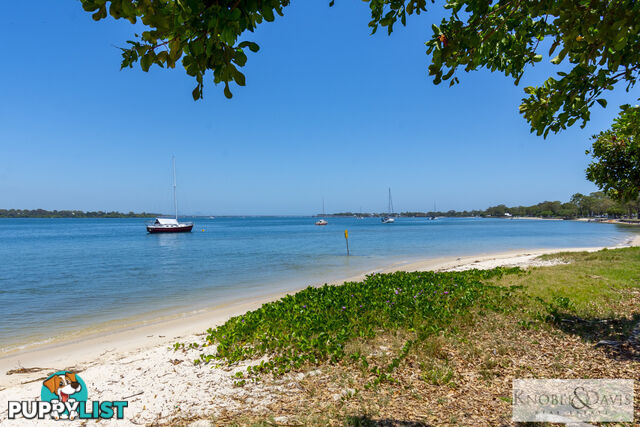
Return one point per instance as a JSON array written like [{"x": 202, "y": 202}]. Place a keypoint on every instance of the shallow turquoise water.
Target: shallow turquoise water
[{"x": 58, "y": 275}]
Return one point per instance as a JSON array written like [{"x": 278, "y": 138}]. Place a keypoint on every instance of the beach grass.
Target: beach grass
[
  {"x": 593, "y": 281},
  {"x": 593, "y": 295},
  {"x": 465, "y": 345},
  {"x": 333, "y": 322}
]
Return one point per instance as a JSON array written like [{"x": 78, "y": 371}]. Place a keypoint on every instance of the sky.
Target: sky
[{"x": 329, "y": 111}]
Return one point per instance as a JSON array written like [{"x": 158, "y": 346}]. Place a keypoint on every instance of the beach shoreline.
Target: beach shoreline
[
  {"x": 132, "y": 294},
  {"x": 140, "y": 358},
  {"x": 83, "y": 348}
]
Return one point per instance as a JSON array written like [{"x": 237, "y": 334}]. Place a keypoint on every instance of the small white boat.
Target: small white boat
[
  {"x": 322, "y": 221},
  {"x": 389, "y": 219}
]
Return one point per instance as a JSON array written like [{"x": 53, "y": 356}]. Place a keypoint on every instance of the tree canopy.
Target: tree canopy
[
  {"x": 596, "y": 43},
  {"x": 616, "y": 154},
  {"x": 203, "y": 33}
]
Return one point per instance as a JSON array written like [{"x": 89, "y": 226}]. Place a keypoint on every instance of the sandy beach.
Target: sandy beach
[{"x": 138, "y": 364}]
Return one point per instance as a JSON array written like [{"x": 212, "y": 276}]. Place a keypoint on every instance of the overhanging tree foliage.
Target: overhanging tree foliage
[
  {"x": 616, "y": 152},
  {"x": 203, "y": 33},
  {"x": 597, "y": 42}
]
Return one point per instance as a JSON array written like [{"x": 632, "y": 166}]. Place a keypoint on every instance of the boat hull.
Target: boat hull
[{"x": 179, "y": 229}]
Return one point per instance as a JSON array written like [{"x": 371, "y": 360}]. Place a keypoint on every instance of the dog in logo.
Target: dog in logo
[{"x": 64, "y": 386}]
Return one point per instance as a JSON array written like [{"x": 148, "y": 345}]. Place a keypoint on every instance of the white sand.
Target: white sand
[{"x": 165, "y": 383}]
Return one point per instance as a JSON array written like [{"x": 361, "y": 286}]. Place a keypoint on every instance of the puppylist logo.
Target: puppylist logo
[{"x": 64, "y": 396}]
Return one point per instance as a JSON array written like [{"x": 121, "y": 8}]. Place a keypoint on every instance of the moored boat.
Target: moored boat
[
  {"x": 170, "y": 225},
  {"x": 389, "y": 219},
  {"x": 322, "y": 221}
]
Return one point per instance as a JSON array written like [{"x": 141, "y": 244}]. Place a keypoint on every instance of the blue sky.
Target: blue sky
[{"x": 328, "y": 111}]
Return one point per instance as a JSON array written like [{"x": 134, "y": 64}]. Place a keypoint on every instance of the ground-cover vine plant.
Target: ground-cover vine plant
[{"x": 315, "y": 324}]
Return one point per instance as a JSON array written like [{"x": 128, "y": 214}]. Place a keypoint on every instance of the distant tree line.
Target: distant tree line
[
  {"x": 596, "y": 204},
  {"x": 42, "y": 213}
]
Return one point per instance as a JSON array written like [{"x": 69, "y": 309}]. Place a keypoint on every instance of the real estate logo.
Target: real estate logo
[
  {"x": 573, "y": 401},
  {"x": 64, "y": 396}
]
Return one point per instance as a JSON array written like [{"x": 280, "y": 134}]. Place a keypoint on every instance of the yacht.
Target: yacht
[{"x": 170, "y": 225}]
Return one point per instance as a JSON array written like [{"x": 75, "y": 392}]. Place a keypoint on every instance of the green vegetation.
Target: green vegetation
[
  {"x": 41, "y": 213},
  {"x": 616, "y": 152},
  {"x": 595, "y": 204},
  {"x": 590, "y": 295},
  {"x": 204, "y": 34},
  {"x": 595, "y": 43},
  {"x": 315, "y": 324},
  {"x": 578, "y": 280},
  {"x": 575, "y": 319}
]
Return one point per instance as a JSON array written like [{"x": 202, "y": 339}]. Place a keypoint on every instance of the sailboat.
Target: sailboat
[
  {"x": 388, "y": 219},
  {"x": 170, "y": 225},
  {"x": 322, "y": 221}
]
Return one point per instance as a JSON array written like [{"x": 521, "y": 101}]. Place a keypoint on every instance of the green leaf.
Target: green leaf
[
  {"x": 253, "y": 47},
  {"x": 100, "y": 14},
  {"x": 239, "y": 78},
  {"x": 227, "y": 91},
  {"x": 267, "y": 12},
  {"x": 602, "y": 102},
  {"x": 146, "y": 61}
]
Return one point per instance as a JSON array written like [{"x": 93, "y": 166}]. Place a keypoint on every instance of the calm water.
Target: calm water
[{"x": 58, "y": 275}]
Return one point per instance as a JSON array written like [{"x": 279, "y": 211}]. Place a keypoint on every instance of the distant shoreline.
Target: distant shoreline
[
  {"x": 55, "y": 214},
  {"x": 42, "y": 213},
  {"x": 117, "y": 215},
  {"x": 624, "y": 221}
]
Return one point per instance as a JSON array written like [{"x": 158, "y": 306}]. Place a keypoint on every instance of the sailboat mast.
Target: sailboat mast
[
  {"x": 323, "y": 206},
  {"x": 175, "y": 200},
  {"x": 390, "y": 202}
]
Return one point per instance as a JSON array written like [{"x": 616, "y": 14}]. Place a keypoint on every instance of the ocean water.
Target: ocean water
[{"x": 61, "y": 275}]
